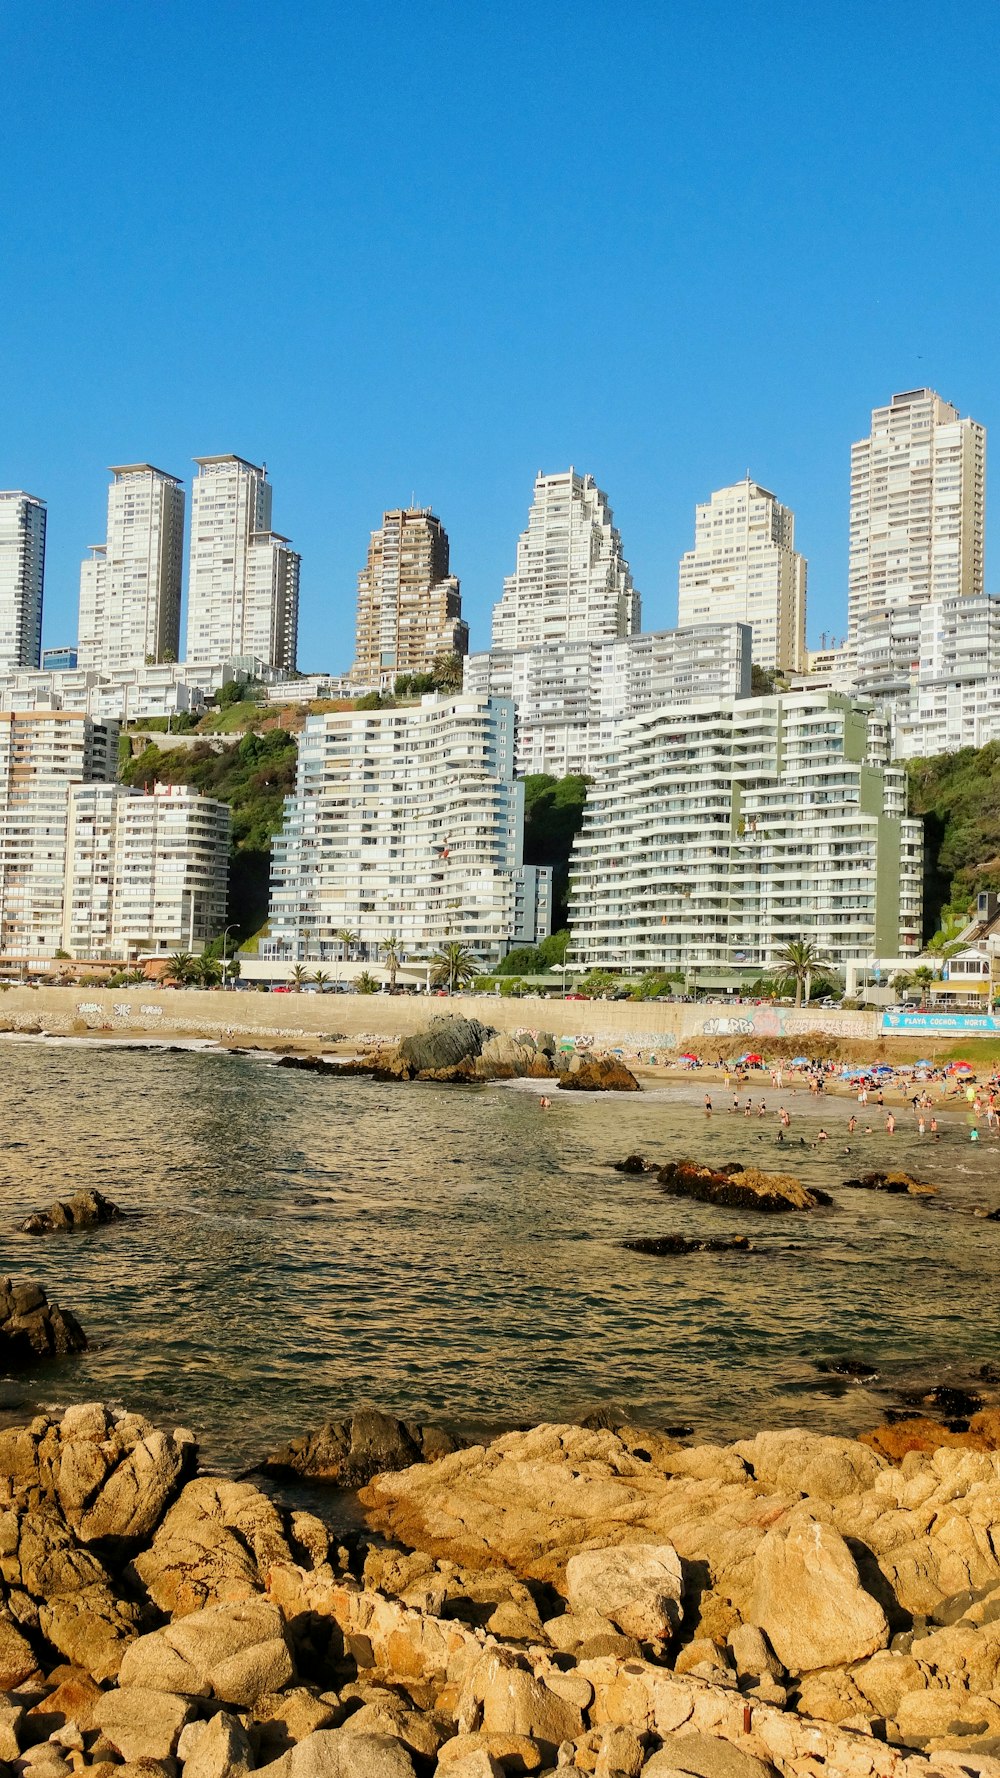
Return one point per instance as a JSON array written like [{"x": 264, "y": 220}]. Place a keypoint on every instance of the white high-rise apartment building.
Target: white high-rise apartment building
[
  {"x": 572, "y": 582},
  {"x": 22, "y": 578},
  {"x": 243, "y": 581},
  {"x": 917, "y": 507},
  {"x": 42, "y": 754},
  {"x": 406, "y": 822},
  {"x": 745, "y": 569},
  {"x": 569, "y": 696},
  {"x": 130, "y": 589},
  {"x": 145, "y": 872},
  {"x": 717, "y": 833}
]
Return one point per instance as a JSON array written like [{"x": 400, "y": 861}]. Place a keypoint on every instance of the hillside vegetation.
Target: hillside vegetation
[
  {"x": 553, "y": 816},
  {"x": 958, "y": 794},
  {"x": 253, "y": 775}
]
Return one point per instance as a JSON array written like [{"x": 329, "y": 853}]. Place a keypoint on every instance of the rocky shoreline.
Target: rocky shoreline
[{"x": 595, "y": 1598}]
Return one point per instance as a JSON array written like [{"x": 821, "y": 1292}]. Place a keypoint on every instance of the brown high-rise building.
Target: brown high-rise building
[{"x": 409, "y": 606}]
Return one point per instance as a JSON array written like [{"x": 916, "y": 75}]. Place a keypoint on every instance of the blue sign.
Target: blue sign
[{"x": 957, "y": 1024}]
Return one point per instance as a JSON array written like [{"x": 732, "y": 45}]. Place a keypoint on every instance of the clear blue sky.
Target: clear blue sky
[{"x": 429, "y": 249}]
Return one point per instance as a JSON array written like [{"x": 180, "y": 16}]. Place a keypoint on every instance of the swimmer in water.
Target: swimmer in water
[
  {"x": 822, "y": 1137},
  {"x": 544, "y": 1104}
]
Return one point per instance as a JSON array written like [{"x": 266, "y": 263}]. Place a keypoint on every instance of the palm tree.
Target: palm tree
[
  {"x": 321, "y": 977},
  {"x": 348, "y": 940},
  {"x": 392, "y": 956},
  {"x": 206, "y": 971},
  {"x": 180, "y": 968},
  {"x": 454, "y": 964},
  {"x": 924, "y": 976},
  {"x": 800, "y": 960},
  {"x": 299, "y": 975},
  {"x": 366, "y": 983}
]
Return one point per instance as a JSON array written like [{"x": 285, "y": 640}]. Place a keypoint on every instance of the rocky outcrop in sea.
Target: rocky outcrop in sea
[
  {"x": 457, "y": 1051},
  {"x": 31, "y": 1327}
]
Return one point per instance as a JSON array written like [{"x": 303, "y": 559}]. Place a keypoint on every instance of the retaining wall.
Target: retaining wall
[{"x": 664, "y": 1028}]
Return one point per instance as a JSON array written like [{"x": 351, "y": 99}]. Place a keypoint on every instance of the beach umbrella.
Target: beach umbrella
[
  {"x": 961, "y": 1068},
  {"x": 689, "y": 1056},
  {"x": 923, "y": 1063},
  {"x": 753, "y": 1058},
  {"x": 803, "y": 1062}
]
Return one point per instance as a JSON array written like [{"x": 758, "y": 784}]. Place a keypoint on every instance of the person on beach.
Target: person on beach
[
  {"x": 736, "y": 1102},
  {"x": 748, "y": 1107},
  {"x": 890, "y": 1124},
  {"x": 852, "y": 1124},
  {"x": 921, "y": 1125},
  {"x": 708, "y": 1106},
  {"x": 935, "y": 1132},
  {"x": 822, "y": 1137},
  {"x": 544, "y": 1104},
  {"x": 784, "y": 1118},
  {"x": 762, "y": 1109}
]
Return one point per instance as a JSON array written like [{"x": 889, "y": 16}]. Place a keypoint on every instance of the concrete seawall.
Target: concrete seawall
[{"x": 628, "y": 1025}]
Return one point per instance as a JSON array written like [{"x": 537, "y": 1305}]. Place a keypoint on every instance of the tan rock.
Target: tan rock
[
  {"x": 222, "y": 1749},
  {"x": 946, "y": 1717},
  {"x": 214, "y": 1546},
  {"x": 636, "y": 1586},
  {"x": 701, "y": 1653},
  {"x": 511, "y": 1701},
  {"x": 620, "y": 1756},
  {"x": 234, "y": 1653},
  {"x": 705, "y": 1756},
  {"x": 809, "y": 1600},
  {"x": 140, "y": 1723},
  {"x": 17, "y": 1657},
  {"x": 517, "y": 1752}
]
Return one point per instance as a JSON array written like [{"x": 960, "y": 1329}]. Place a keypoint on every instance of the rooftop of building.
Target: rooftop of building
[
  {"x": 230, "y": 457},
  {"x": 163, "y": 475}
]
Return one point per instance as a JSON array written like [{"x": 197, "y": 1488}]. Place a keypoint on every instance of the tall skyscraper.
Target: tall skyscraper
[
  {"x": 130, "y": 589},
  {"x": 745, "y": 569},
  {"x": 917, "y": 507},
  {"x": 22, "y": 578},
  {"x": 572, "y": 582},
  {"x": 409, "y": 605},
  {"x": 243, "y": 585}
]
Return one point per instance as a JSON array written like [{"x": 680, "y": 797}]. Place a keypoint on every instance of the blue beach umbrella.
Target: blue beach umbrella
[{"x": 800, "y": 1061}]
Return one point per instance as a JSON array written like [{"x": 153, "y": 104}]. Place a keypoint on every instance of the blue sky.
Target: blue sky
[{"x": 426, "y": 250}]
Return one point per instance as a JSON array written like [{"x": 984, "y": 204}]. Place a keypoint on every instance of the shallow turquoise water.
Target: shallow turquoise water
[{"x": 462, "y": 1258}]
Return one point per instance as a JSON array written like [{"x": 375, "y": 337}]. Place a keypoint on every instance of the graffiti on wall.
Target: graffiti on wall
[{"x": 786, "y": 1021}]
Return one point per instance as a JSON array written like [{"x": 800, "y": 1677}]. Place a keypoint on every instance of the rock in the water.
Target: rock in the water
[
  {"x": 897, "y": 1182},
  {"x": 668, "y": 1244},
  {"x": 31, "y": 1327},
  {"x": 446, "y": 1042},
  {"x": 598, "y": 1074},
  {"x": 87, "y": 1210},
  {"x": 348, "y": 1453},
  {"x": 809, "y": 1600},
  {"x": 633, "y": 1163},
  {"x": 110, "y": 1475},
  {"x": 738, "y": 1188}
]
